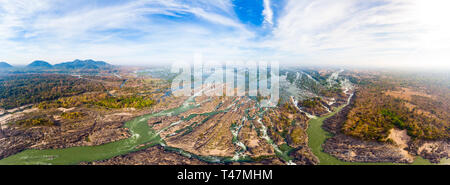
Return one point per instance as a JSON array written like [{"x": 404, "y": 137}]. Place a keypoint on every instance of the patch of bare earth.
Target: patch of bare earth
[
  {"x": 256, "y": 146},
  {"x": 94, "y": 128},
  {"x": 350, "y": 149},
  {"x": 406, "y": 94},
  {"x": 412, "y": 107},
  {"x": 401, "y": 139}
]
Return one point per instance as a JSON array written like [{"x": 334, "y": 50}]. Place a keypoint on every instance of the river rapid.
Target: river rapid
[{"x": 142, "y": 136}]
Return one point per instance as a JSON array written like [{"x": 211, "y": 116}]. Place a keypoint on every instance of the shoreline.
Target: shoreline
[{"x": 317, "y": 137}]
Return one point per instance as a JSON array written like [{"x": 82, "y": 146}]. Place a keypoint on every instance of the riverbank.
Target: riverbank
[
  {"x": 142, "y": 136},
  {"x": 317, "y": 136}
]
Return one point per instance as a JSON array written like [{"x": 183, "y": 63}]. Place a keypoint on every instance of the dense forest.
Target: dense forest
[
  {"x": 19, "y": 90},
  {"x": 311, "y": 103},
  {"x": 99, "y": 99}
]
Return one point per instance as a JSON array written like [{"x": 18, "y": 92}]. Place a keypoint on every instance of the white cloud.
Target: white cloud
[
  {"x": 30, "y": 29},
  {"x": 353, "y": 32},
  {"x": 375, "y": 32},
  {"x": 267, "y": 12}
]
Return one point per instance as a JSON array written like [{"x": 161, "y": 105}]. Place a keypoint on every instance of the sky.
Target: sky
[{"x": 397, "y": 33}]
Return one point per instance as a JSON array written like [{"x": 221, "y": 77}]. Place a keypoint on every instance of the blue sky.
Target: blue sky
[{"x": 139, "y": 32}]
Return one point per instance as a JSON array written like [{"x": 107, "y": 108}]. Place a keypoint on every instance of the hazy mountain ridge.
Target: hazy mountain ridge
[
  {"x": 83, "y": 64},
  {"x": 5, "y": 65},
  {"x": 40, "y": 64}
]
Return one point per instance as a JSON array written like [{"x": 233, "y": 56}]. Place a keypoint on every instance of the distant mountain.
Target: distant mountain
[
  {"x": 84, "y": 64},
  {"x": 4, "y": 65},
  {"x": 40, "y": 64}
]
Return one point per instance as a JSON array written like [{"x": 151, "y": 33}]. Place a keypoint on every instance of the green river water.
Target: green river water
[
  {"x": 142, "y": 136},
  {"x": 317, "y": 136}
]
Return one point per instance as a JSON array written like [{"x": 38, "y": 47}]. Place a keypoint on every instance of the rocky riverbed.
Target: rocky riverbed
[
  {"x": 95, "y": 128},
  {"x": 155, "y": 155}
]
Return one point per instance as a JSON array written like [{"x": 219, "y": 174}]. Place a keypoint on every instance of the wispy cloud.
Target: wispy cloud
[
  {"x": 376, "y": 32},
  {"x": 267, "y": 12},
  {"x": 353, "y": 32},
  {"x": 136, "y": 29}
]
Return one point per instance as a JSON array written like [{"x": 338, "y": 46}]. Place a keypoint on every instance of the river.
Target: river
[
  {"x": 142, "y": 136},
  {"x": 317, "y": 136}
]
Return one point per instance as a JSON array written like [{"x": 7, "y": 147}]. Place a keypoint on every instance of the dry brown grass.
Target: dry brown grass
[{"x": 406, "y": 94}]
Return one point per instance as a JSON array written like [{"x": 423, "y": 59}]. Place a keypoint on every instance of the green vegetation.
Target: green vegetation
[
  {"x": 298, "y": 135},
  {"x": 187, "y": 129},
  {"x": 284, "y": 128},
  {"x": 74, "y": 155},
  {"x": 311, "y": 103},
  {"x": 317, "y": 136},
  {"x": 19, "y": 90},
  {"x": 375, "y": 114},
  {"x": 74, "y": 101},
  {"x": 33, "y": 122},
  {"x": 100, "y": 99},
  {"x": 285, "y": 148},
  {"x": 331, "y": 91},
  {"x": 125, "y": 102},
  {"x": 393, "y": 118},
  {"x": 284, "y": 152},
  {"x": 72, "y": 115}
]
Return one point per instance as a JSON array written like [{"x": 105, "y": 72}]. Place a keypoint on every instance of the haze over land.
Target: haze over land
[
  {"x": 90, "y": 112},
  {"x": 90, "y": 82},
  {"x": 396, "y": 33}
]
